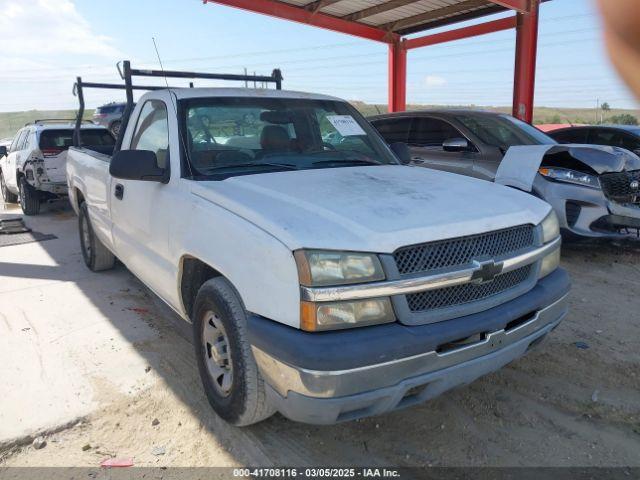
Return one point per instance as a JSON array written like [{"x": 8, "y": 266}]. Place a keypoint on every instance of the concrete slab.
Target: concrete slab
[{"x": 67, "y": 335}]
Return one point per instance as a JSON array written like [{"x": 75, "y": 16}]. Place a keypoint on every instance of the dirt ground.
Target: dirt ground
[{"x": 561, "y": 405}]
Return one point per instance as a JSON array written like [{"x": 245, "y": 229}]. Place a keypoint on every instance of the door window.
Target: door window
[
  {"x": 432, "y": 132},
  {"x": 152, "y": 131},
  {"x": 19, "y": 141},
  {"x": 629, "y": 142},
  {"x": 394, "y": 129},
  {"x": 602, "y": 136},
  {"x": 571, "y": 136}
]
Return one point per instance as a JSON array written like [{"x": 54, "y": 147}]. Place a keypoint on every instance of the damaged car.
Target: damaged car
[
  {"x": 594, "y": 189},
  {"x": 32, "y": 168}
]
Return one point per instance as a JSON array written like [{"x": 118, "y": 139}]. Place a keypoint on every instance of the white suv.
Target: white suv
[{"x": 33, "y": 167}]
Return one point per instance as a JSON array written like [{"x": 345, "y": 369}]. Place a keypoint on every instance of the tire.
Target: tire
[
  {"x": 29, "y": 197},
  {"x": 115, "y": 128},
  {"x": 96, "y": 256},
  {"x": 7, "y": 196},
  {"x": 219, "y": 319}
]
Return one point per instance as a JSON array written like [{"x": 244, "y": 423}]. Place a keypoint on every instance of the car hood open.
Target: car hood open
[
  {"x": 377, "y": 208},
  {"x": 520, "y": 164}
]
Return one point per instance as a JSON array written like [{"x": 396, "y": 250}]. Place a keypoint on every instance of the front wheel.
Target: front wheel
[
  {"x": 96, "y": 256},
  {"x": 115, "y": 128},
  {"x": 233, "y": 385},
  {"x": 29, "y": 197},
  {"x": 6, "y": 194}
]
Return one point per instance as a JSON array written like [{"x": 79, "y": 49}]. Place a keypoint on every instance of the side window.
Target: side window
[
  {"x": 432, "y": 132},
  {"x": 571, "y": 136},
  {"x": 152, "y": 131},
  {"x": 16, "y": 140},
  {"x": 19, "y": 141},
  {"x": 629, "y": 142},
  {"x": 394, "y": 129},
  {"x": 601, "y": 136}
]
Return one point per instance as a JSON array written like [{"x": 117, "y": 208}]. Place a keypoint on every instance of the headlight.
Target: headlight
[
  {"x": 550, "y": 227},
  {"x": 570, "y": 176},
  {"x": 318, "y": 268},
  {"x": 549, "y": 263},
  {"x": 337, "y": 315}
]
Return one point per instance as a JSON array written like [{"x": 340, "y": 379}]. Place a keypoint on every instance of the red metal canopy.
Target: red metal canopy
[{"x": 388, "y": 21}]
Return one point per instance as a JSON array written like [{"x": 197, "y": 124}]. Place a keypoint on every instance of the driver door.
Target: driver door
[
  {"x": 426, "y": 140},
  {"x": 139, "y": 209}
]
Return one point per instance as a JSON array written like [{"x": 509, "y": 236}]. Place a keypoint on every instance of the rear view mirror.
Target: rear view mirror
[
  {"x": 137, "y": 165},
  {"x": 456, "y": 145},
  {"x": 402, "y": 152},
  {"x": 3, "y": 150},
  {"x": 278, "y": 117}
]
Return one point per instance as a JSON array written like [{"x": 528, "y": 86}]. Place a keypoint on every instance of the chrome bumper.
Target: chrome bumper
[{"x": 284, "y": 378}]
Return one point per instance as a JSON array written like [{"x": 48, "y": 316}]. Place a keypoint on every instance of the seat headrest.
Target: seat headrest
[{"x": 274, "y": 137}]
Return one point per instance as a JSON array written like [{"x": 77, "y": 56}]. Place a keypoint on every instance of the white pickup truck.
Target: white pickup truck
[{"x": 326, "y": 281}]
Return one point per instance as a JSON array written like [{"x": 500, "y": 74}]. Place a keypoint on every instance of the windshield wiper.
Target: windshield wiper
[
  {"x": 286, "y": 166},
  {"x": 353, "y": 161}
]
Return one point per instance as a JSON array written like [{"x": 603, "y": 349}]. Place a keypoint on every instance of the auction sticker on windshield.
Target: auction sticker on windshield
[{"x": 346, "y": 125}]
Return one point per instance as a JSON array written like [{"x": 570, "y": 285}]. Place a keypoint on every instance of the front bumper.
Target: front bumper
[
  {"x": 585, "y": 212},
  {"x": 354, "y": 384}
]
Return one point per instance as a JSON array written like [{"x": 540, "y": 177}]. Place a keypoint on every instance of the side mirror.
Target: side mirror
[
  {"x": 456, "y": 145},
  {"x": 3, "y": 150},
  {"x": 401, "y": 151},
  {"x": 137, "y": 165}
]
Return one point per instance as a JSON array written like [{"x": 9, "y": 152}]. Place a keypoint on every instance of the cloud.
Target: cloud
[
  {"x": 435, "y": 81},
  {"x": 49, "y": 27}
]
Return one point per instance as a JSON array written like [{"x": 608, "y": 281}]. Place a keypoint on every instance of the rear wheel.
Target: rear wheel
[
  {"x": 233, "y": 385},
  {"x": 6, "y": 194},
  {"x": 29, "y": 197},
  {"x": 96, "y": 256}
]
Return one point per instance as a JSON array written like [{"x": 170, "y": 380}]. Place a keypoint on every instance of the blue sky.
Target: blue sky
[{"x": 44, "y": 44}]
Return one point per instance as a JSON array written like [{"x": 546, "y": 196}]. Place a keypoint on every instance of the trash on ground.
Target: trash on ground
[
  {"x": 117, "y": 462},
  {"x": 581, "y": 345},
  {"x": 39, "y": 442},
  {"x": 158, "y": 451}
]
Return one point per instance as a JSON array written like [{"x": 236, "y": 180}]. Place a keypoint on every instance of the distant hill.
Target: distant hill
[{"x": 11, "y": 122}]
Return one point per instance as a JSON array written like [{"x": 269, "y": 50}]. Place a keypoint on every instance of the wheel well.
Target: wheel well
[
  {"x": 79, "y": 197},
  {"x": 194, "y": 273}
]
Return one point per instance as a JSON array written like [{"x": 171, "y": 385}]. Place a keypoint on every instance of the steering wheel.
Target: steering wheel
[{"x": 328, "y": 145}]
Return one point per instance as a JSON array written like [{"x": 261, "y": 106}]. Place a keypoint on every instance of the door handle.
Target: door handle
[{"x": 119, "y": 191}]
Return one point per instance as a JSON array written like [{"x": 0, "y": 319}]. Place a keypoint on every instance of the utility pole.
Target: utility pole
[{"x": 246, "y": 84}]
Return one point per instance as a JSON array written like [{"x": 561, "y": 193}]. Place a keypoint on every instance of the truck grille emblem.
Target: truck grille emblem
[{"x": 486, "y": 271}]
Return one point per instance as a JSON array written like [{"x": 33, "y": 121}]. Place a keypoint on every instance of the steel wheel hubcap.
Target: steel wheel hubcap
[{"x": 217, "y": 353}]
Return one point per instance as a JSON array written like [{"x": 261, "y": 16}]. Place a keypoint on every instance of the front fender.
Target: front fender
[{"x": 260, "y": 267}]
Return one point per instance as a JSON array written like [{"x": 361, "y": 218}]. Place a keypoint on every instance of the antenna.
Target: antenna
[{"x": 175, "y": 108}]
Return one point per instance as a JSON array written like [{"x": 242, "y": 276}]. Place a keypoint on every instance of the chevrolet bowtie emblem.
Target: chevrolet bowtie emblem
[{"x": 486, "y": 271}]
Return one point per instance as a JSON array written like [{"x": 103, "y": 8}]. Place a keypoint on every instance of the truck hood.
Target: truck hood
[
  {"x": 376, "y": 209},
  {"x": 520, "y": 164}
]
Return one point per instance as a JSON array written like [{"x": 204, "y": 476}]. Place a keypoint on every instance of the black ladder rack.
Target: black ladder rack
[{"x": 127, "y": 73}]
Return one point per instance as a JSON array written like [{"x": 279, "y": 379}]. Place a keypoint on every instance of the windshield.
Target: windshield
[
  {"x": 239, "y": 136},
  {"x": 504, "y": 131}
]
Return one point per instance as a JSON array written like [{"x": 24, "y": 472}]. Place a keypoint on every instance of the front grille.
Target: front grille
[
  {"x": 617, "y": 186},
  {"x": 468, "y": 292},
  {"x": 463, "y": 250}
]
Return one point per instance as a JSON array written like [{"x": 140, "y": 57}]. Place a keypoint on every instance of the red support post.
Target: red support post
[
  {"x": 397, "y": 77},
  {"x": 525, "y": 63}
]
